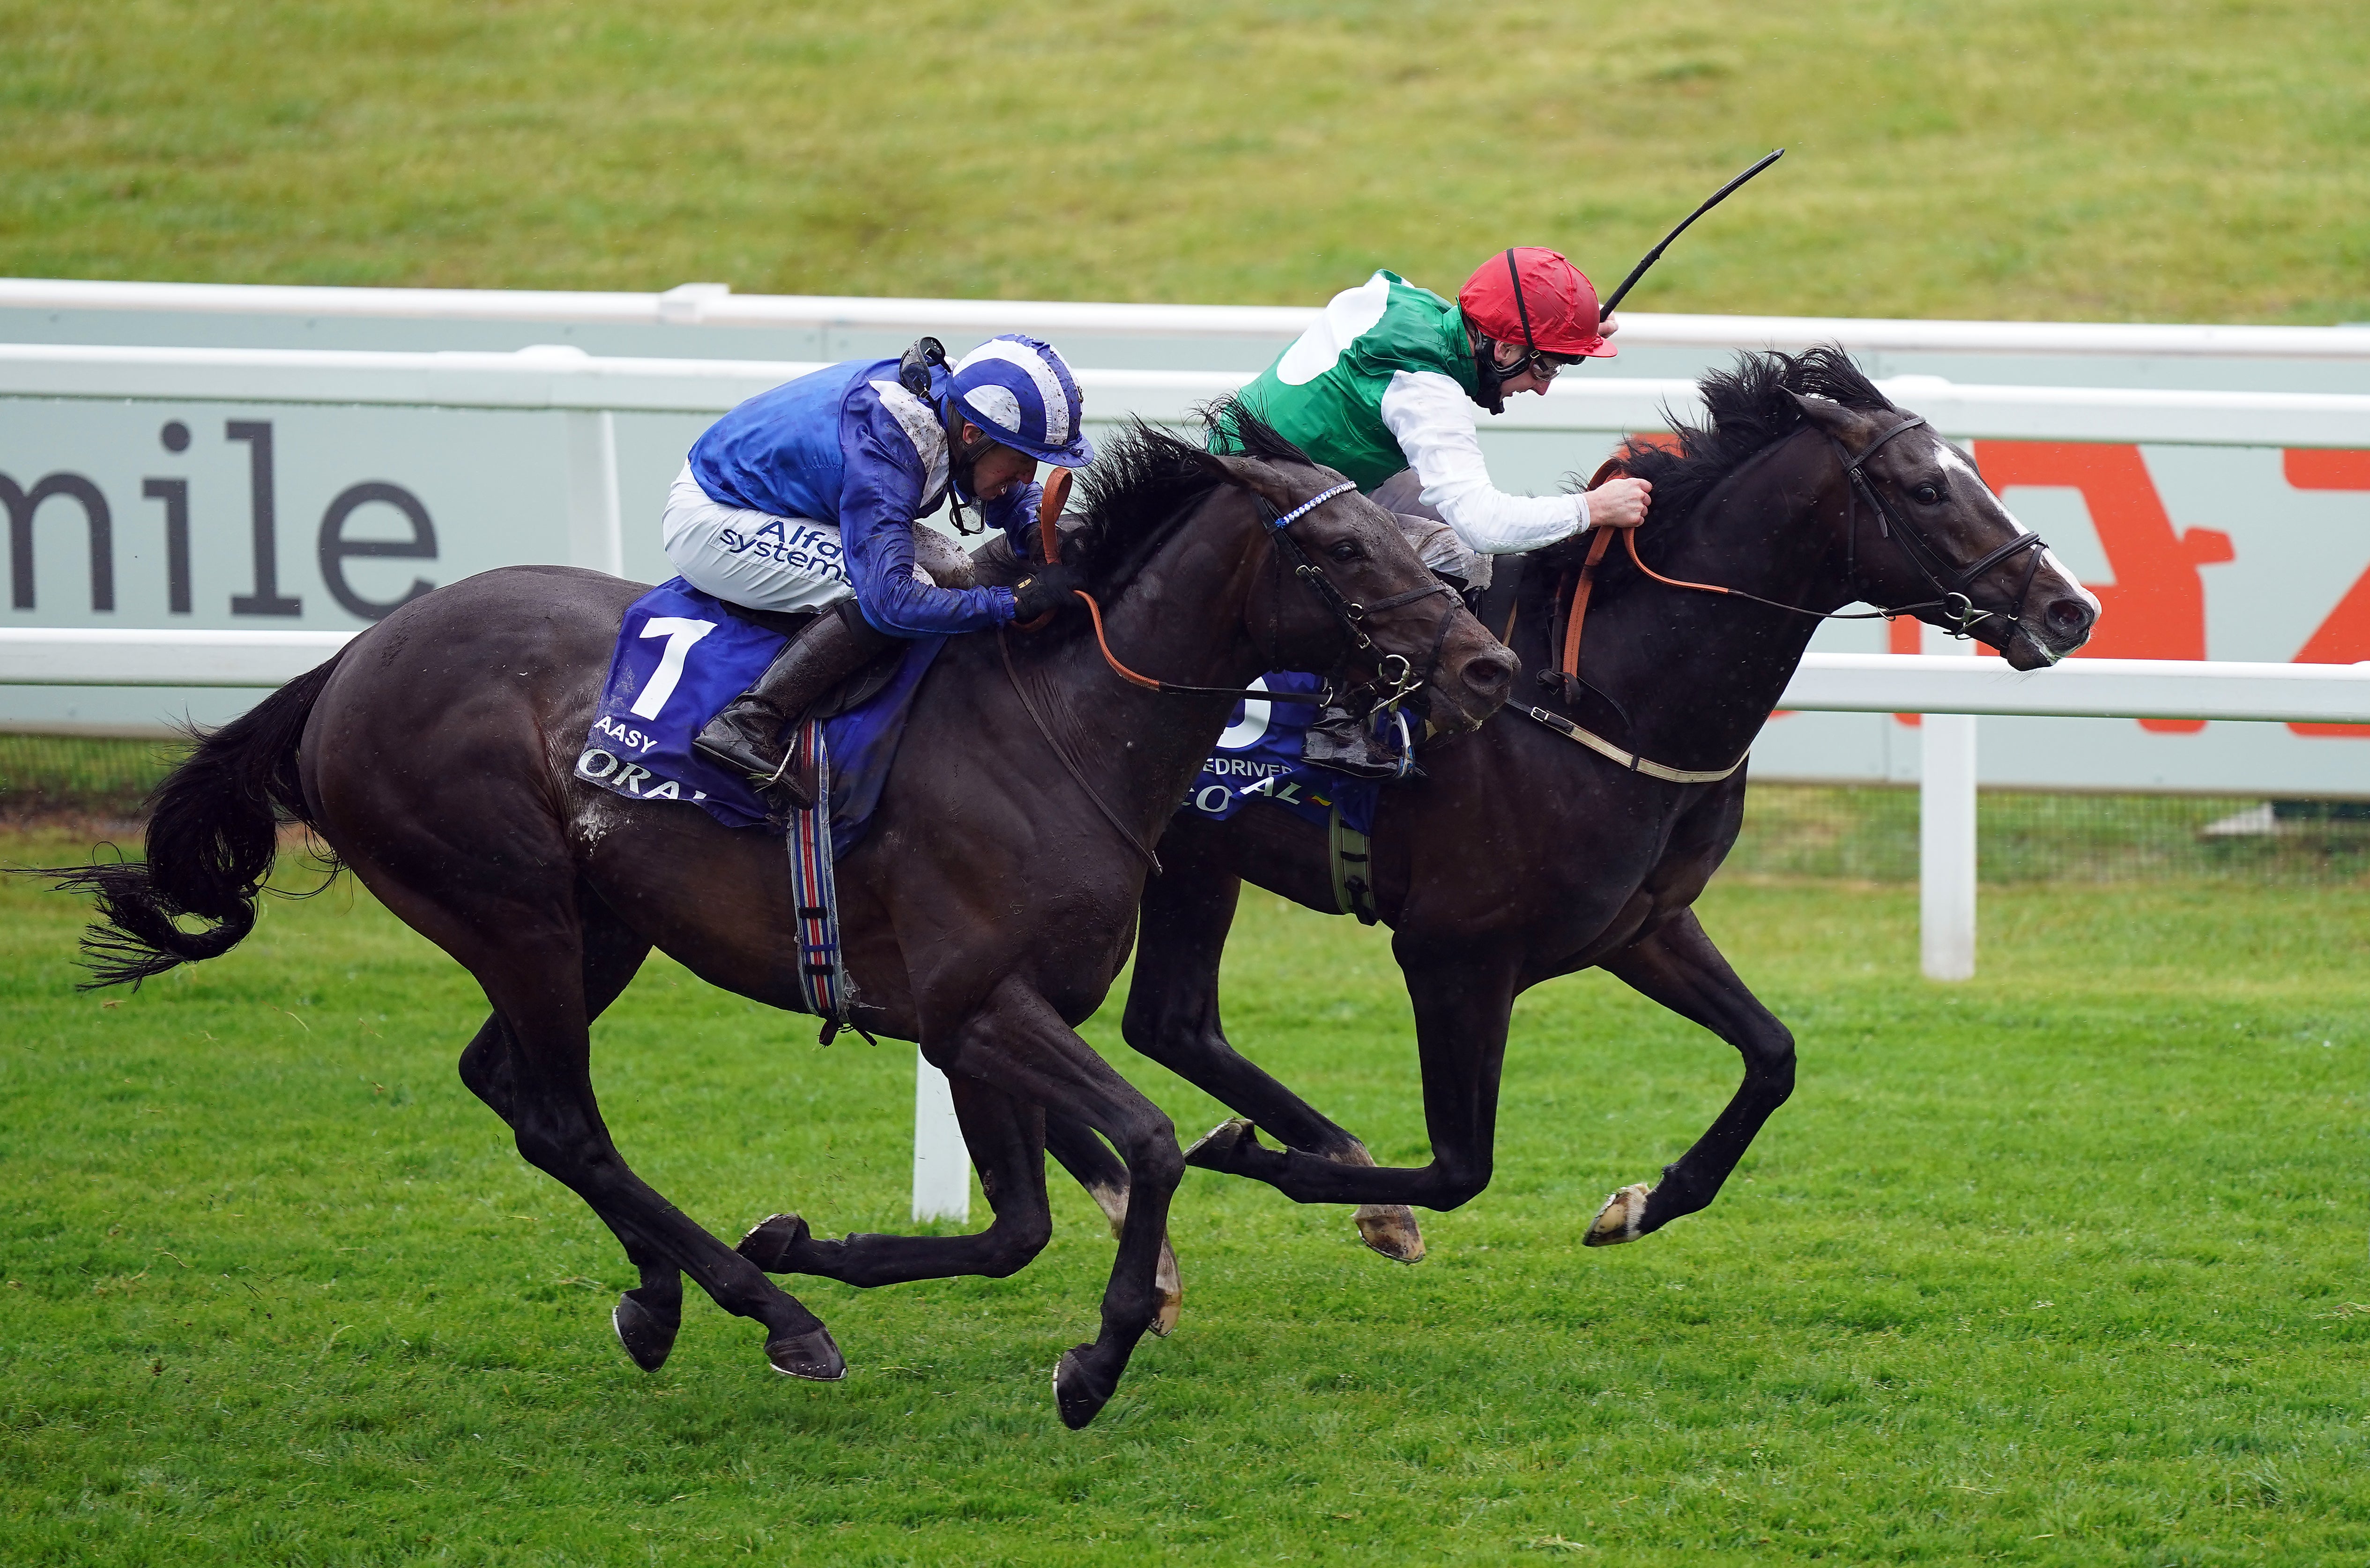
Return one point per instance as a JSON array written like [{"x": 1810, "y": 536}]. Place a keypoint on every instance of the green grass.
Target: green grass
[
  {"x": 2065, "y": 1266},
  {"x": 1870, "y": 833},
  {"x": 51, "y": 775},
  {"x": 2128, "y": 159}
]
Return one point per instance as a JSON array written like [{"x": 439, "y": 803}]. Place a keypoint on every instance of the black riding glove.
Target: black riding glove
[{"x": 1046, "y": 589}]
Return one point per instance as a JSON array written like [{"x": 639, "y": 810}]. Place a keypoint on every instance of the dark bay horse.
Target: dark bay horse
[
  {"x": 985, "y": 913},
  {"x": 1523, "y": 855}
]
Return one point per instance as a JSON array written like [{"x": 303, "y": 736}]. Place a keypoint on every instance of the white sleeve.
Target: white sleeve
[{"x": 1432, "y": 419}]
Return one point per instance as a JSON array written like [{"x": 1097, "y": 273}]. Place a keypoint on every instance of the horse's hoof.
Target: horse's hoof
[
  {"x": 1075, "y": 1391},
  {"x": 1172, "y": 1292},
  {"x": 645, "y": 1336},
  {"x": 769, "y": 1241},
  {"x": 1620, "y": 1220},
  {"x": 1214, "y": 1149},
  {"x": 812, "y": 1355},
  {"x": 1390, "y": 1229}
]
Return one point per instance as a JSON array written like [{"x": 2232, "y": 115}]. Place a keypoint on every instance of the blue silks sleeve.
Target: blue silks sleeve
[{"x": 880, "y": 492}]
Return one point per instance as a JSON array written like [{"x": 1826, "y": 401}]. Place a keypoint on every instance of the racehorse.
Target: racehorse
[
  {"x": 1522, "y": 855},
  {"x": 984, "y": 914}
]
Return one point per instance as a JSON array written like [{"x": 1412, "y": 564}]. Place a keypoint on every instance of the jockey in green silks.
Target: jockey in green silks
[{"x": 1389, "y": 379}]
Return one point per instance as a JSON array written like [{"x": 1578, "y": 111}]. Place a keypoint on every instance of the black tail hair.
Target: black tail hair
[{"x": 214, "y": 832}]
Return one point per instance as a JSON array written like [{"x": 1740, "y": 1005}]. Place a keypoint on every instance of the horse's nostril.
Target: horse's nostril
[
  {"x": 2068, "y": 616},
  {"x": 1490, "y": 673}
]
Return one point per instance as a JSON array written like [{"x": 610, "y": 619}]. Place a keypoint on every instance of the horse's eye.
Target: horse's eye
[
  {"x": 1347, "y": 550},
  {"x": 1926, "y": 495}
]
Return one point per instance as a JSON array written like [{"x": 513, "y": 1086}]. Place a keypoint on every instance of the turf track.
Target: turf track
[{"x": 2065, "y": 1266}]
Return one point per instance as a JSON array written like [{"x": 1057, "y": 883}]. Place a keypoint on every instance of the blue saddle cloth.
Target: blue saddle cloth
[
  {"x": 1259, "y": 759},
  {"x": 681, "y": 656}
]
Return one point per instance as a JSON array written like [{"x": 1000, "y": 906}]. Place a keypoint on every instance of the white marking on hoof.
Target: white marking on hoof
[
  {"x": 1166, "y": 1280},
  {"x": 1233, "y": 1130},
  {"x": 1618, "y": 1220}
]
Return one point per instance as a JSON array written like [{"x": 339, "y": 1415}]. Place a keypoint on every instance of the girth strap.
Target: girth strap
[{"x": 1351, "y": 854}]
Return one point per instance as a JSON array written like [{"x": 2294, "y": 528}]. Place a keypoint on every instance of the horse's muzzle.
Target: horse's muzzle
[
  {"x": 1472, "y": 688},
  {"x": 2063, "y": 625}
]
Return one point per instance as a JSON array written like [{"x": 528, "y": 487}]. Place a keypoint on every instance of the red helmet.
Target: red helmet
[{"x": 1532, "y": 297}]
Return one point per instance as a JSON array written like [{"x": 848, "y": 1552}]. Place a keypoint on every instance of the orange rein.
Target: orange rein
[
  {"x": 1049, "y": 539},
  {"x": 1569, "y": 664}
]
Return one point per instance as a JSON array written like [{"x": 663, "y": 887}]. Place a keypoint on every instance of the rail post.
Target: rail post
[
  {"x": 596, "y": 534},
  {"x": 941, "y": 1163},
  {"x": 1946, "y": 847}
]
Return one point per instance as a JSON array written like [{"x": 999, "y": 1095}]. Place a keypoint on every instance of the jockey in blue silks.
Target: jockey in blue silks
[{"x": 806, "y": 499}]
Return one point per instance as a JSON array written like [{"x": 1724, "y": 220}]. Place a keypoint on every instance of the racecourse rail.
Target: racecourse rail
[{"x": 715, "y": 305}]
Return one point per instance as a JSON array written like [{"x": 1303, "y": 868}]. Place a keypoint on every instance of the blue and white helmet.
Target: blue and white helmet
[{"x": 1021, "y": 392}]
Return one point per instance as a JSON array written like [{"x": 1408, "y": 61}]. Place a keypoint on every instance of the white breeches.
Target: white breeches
[{"x": 749, "y": 558}]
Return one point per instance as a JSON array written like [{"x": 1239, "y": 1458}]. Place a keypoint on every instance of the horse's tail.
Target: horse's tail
[{"x": 214, "y": 832}]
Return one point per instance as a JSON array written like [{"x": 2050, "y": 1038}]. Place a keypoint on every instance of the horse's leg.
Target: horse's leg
[
  {"x": 1092, "y": 1164},
  {"x": 1678, "y": 966},
  {"x": 1462, "y": 1004},
  {"x": 1172, "y": 1017},
  {"x": 648, "y": 1317},
  {"x": 532, "y": 942},
  {"x": 1020, "y": 1044},
  {"x": 1006, "y": 1140}
]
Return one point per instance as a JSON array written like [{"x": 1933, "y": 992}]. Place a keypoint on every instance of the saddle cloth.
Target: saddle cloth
[
  {"x": 681, "y": 656},
  {"x": 1259, "y": 758}
]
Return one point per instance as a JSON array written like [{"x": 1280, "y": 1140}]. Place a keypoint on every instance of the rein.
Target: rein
[
  {"x": 1062, "y": 753},
  {"x": 1953, "y": 600},
  {"x": 1350, "y": 612},
  {"x": 1949, "y": 583}
]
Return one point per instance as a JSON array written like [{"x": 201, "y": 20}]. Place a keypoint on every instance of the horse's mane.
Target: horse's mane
[
  {"x": 1749, "y": 412},
  {"x": 1145, "y": 481}
]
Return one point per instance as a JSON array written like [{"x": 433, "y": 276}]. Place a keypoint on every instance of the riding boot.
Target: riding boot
[
  {"x": 750, "y": 734},
  {"x": 1339, "y": 741}
]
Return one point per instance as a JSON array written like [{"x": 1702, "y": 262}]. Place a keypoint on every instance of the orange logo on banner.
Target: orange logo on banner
[
  {"x": 2344, "y": 637},
  {"x": 2156, "y": 606}
]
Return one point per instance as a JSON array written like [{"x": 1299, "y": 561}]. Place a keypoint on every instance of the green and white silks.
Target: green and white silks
[{"x": 1383, "y": 381}]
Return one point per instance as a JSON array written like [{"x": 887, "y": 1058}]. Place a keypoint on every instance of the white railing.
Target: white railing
[
  {"x": 715, "y": 305},
  {"x": 567, "y": 379}
]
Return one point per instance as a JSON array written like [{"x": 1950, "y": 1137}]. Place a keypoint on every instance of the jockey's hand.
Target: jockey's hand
[
  {"x": 1047, "y": 588},
  {"x": 1607, "y": 326},
  {"x": 1619, "y": 503}
]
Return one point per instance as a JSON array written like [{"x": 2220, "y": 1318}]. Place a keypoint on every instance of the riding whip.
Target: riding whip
[{"x": 1655, "y": 255}]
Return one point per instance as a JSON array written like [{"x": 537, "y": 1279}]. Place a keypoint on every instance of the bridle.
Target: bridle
[
  {"x": 1949, "y": 583},
  {"x": 1395, "y": 677}
]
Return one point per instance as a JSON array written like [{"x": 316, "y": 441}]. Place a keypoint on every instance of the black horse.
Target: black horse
[
  {"x": 985, "y": 913},
  {"x": 1524, "y": 855}
]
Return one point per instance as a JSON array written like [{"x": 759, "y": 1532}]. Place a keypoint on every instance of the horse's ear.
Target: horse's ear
[{"x": 1827, "y": 414}]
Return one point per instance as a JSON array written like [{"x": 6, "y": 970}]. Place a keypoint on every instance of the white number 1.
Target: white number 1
[{"x": 680, "y": 635}]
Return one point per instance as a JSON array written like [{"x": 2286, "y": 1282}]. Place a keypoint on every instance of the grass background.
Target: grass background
[
  {"x": 2101, "y": 160},
  {"x": 2064, "y": 1266}
]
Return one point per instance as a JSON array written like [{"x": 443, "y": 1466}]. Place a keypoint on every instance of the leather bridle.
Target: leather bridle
[
  {"x": 1950, "y": 584},
  {"x": 1395, "y": 677}
]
